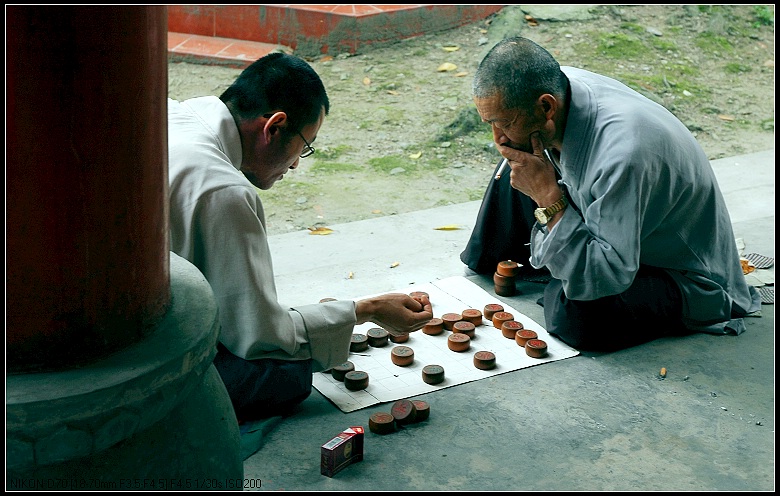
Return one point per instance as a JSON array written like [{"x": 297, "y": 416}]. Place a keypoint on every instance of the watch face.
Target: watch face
[{"x": 540, "y": 216}]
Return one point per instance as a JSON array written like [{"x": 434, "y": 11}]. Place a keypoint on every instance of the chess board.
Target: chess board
[{"x": 390, "y": 382}]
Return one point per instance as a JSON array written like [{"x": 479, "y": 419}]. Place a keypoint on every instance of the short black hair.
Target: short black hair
[
  {"x": 278, "y": 81},
  {"x": 520, "y": 71}
]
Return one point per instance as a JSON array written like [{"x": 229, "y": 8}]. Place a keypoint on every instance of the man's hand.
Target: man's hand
[
  {"x": 532, "y": 174},
  {"x": 397, "y": 313}
]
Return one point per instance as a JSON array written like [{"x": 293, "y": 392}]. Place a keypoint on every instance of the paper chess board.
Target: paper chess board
[{"x": 389, "y": 382}]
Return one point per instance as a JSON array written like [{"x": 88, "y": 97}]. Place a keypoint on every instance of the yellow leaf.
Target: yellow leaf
[
  {"x": 394, "y": 265},
  {"x": 461, "y": 74},
  {"x": 322, "y": 231},
  {"x": 447, "y": 67},
  {"x": 451, "y": 48},
  {"x": 449, "y": 227},
  {"x": 392, "y": 92},
  {"x": 351, "y": 275},
  {"x": 376, "y": 211},
  {"x": 725, "y": 117},
  {"x": 415, "y": 156},
  {"x": 366, "y": 81}
]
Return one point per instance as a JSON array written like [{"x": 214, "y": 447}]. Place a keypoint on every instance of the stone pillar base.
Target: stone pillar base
[{"x": 154, "y": 416}]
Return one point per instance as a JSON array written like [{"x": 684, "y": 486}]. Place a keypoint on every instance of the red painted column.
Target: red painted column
[{"x": 87, "y": 267}]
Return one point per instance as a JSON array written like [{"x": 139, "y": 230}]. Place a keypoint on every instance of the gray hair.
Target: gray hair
[{"x": 519, "y": 71}]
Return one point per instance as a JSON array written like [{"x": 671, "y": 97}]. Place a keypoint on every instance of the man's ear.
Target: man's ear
[
  {"x": 548, "y": 104},
  {"x": 274, "y": 124}
]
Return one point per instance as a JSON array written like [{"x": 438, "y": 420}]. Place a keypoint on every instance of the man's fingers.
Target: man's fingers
[{"x": 538, "y": 144}]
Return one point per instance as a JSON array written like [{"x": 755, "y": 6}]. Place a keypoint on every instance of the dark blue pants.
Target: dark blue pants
[
  {"x": 650, "y": 309},
  {"x": 263, "y": 388}
]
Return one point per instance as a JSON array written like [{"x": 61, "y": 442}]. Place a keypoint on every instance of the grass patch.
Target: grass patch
[
  {"x": 633, "y": 27},
  {"x": 712, "y": 42},
  {"x": 332, "y": 152},
  {"x": 736, "y": 68},
  {"x": 330, "y": 167},
  {"x": 764, "y": 15},
  {"x": 621, "y": 46},
  {"x": 287, "y": 192},
  {"x": 391, "y": 162},
  {"x": 664, "y": 45}
]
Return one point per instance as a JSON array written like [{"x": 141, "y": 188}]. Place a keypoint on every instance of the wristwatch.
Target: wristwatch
[{"x": 543, "y": 215}]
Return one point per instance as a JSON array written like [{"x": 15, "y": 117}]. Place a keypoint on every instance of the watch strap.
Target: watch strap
[{"x": 556, "y": 207}]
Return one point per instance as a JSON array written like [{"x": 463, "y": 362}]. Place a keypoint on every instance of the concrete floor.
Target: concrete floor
[{"x": 588, "y": 423}]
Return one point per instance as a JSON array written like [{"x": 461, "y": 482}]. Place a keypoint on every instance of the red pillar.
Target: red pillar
[{"x": 87, "y": 267}]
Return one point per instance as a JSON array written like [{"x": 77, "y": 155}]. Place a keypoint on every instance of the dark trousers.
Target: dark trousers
[
  {"x": 502, "y": 230},
  {"x": 650, "y": 309},
  {"x": 263, "y": 388}
]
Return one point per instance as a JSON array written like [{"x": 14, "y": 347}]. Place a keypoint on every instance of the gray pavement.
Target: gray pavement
[{"x": 596, "y": 422}]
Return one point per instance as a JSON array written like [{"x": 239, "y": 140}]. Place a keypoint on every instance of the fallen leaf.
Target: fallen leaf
[
  {"x": 376, "y": 211},
  {"x": 451, "y": 48},
  {"x": 461, "y": 74},
  {"x": 321, "y": 231},
  {"x": 326, "y": 58},
  {"x": 415, "y": 156},
  {"x": 394, "y": 265},
  {"x": 449, "y": 227},
  {"x": 366, "y": 81},
  {"x": 447, "y": 67},
  {"x": 531, "y": 21},
  {"x": 392, "y": 92},
  {"x": 725, "y": 117}
]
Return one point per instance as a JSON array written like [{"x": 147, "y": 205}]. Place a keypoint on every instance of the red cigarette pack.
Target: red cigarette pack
[{"x": 342, "y": 450}]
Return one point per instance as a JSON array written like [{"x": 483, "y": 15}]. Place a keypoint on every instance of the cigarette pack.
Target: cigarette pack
[{"x": 342, "y": 450}]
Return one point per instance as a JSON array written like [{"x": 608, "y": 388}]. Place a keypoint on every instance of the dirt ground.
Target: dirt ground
[{"x": 402, "y": 134}]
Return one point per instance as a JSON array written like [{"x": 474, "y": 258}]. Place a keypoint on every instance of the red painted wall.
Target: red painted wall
[{"x": 322, "y": 28}]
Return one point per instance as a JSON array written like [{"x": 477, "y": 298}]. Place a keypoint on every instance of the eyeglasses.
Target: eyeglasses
[{"x": 308, "y": 150}]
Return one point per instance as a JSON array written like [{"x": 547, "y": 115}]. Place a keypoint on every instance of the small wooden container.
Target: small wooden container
[
  {"x": 485, "y": 360},
  {"x": 464, "y": 327},
  {"x": 535, "y": 348},
  {"x": 500, "y": 317},
  {"x": 359, "y": 342},
  {"x": 501, "y": 280},
  {"x": 404, "y": 412},
  {"x": 339, "y": 371},
  {"x": 523, "y": 335},
  {"x": 449, "y": 320},
  {"x": 356, "y": 380},
  {"x": 433, "y": 374},
  {"x": 399, "y": 338},
  {"x": 505, "y": 290},
  {"x": 510, "y": 328},
  {"x": 458, "y": 341},
  {"x": 508, "y": 268},
  {"x": 492, "y": 308},
  {"x": 402, "y": 356},
  {"x": 472, "y": 315},
  {"x": 423, "y": 410},
  {"x": 434, "y": 327},
  {"x": 377, "y": 337},
  {"x": 381, "y": 423}
]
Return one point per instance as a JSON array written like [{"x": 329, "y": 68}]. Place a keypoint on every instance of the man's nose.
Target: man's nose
[{"x": 498, "y": 135}]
